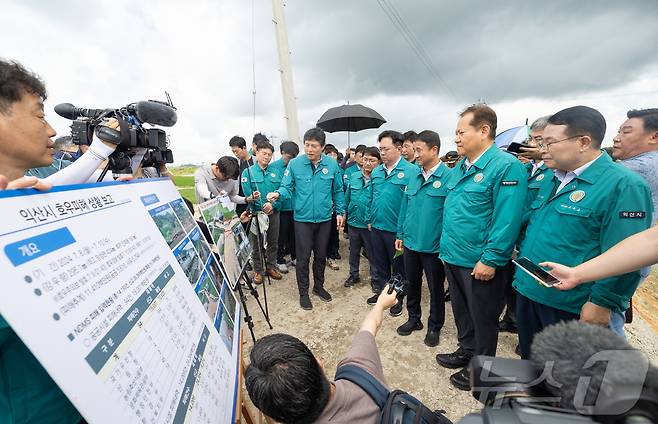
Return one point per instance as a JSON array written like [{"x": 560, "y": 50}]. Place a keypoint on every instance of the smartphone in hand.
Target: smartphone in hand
[{"x": 537, "y": 272}]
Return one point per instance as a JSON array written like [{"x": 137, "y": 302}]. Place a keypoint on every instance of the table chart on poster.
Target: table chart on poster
[{"x": 153, "y": 340}]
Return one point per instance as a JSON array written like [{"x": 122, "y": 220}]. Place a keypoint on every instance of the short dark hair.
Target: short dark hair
[
  {"x": 237, "y": 141},
  {"x": 262, "y": 144},
  {"x": 410, "y": 135},
  {"x": 482, "y": 115},
  {"x": 316, "y": 134},
  {"x": 649, "y": 118},
  {"x": 430, "y": 138},
  {"x": 360, "y": 148},
  {"x": 15, "y": 81},
  {"x": 581, "y": 120},
  {"x": 259, "y": 137},
  {"x": 372, "y": 151},
  {"x": 229, "y": 166},
  {"x": 289, "y": 147},
  {"x": 330, "y": 148},
  {"x": 397, "y": 138},
  {"x": 285, "y": 381}
]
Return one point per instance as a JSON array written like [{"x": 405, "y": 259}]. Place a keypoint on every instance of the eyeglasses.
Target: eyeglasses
[
  {"x": 373, "y": 160},
  {"x": 547, "y": 144}
]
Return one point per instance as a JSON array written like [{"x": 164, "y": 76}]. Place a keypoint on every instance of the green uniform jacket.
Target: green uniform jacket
[
  {"x": 315, "y": 193},
  {"x": 358, "y": 197},
  {"x": 27, "y": 393},
  {"x": 604, "y": 205},
  {"x": 534, "y": 183},
  {"x": 421, "y": 212},
  {"x": 280, "y": 167},
  {"x": 483, "y": 210},
  {"x": 265, "y": 181},
  {"x": 387, "y": 193},
  {"x": 352, "y": 169}
]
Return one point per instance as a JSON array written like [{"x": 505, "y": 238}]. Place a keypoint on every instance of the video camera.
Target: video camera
[
  {"x": 578, "y": 373},
  {"x": 131, "y": 134}
]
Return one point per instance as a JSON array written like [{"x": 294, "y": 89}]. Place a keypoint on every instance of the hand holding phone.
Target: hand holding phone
[{"x": 536, "y": 272}]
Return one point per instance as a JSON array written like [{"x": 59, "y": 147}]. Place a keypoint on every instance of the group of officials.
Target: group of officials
[
  {"x": 564, "y": 201},
  {"x": 569, "y": 203}
]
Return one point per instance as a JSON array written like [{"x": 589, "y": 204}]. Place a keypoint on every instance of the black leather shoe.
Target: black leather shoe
[
  {"x": 373, "y": 299},
  {"x": 461, "y": 380},
  {"x": 409, "y": 327},
  {"x": 322, "y": 294},
  {"x": 457, "y": 359},
  {"x": 432, "y": 338},
  {"x": 305, "y": 302},
  {"x": 396, "y": 310},
  {"x": 351, "y": 281}
]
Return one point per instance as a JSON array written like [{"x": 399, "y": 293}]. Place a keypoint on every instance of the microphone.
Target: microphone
[
  {"x": 594, "y": 371},
  {"x": 68, "y": 111},
  {"x": 154, "y": 112}
]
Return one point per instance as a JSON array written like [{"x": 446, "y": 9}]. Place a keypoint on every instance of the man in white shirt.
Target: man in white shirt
[{"x": 220, "y": 179}]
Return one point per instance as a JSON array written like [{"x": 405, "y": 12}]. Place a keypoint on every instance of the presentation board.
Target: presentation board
[
  {"x": 228, "y": 234},
  {"x": 115, "y": 291}
]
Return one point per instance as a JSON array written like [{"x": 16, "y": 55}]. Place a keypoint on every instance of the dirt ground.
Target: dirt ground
[{"x": 408, "y": 364}]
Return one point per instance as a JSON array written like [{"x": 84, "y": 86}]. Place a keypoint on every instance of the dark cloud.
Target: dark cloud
[{"x": 345, "y": 49}]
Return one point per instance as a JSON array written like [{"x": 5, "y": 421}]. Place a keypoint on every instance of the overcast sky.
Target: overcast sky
[{"x": 525, "y": 59}]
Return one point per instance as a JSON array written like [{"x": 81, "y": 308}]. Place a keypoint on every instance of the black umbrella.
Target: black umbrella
[{"x": 351, "y": 118}]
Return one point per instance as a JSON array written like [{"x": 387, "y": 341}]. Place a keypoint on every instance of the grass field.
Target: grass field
[{"x": 184, "y": 180}]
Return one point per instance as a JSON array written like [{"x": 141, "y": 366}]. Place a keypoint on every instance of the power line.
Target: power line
[
  {"x": 253, "y": 62},
  {"x": 398, "y": 22}
]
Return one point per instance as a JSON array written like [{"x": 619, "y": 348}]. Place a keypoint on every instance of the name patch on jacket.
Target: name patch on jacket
[
  {"x": 510, "y": 183},
  {"x": 632, "y": 215}
]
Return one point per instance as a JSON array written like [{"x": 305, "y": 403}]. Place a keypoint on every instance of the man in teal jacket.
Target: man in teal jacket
[
  {"x": 419, "y": 233},
  {"x": 481, "y": 223},
  {"x": 314, "y": 182},
  {"x": 590, "y": 205},
  {"x": 537, "y": 172},
  {"x": 358, "y": 198},
  {"x": 263, "y": 178},
  {"x": 388, "y": 183},
  {"x": 289, "y": 150}
]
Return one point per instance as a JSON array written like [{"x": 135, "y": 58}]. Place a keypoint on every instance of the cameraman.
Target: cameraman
[{"x": 286, "y": 382}]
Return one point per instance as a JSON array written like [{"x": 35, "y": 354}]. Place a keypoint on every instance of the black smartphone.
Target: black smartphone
[
  {"x": 515, "y": 147},
  {"x": 537, "y": 272}
]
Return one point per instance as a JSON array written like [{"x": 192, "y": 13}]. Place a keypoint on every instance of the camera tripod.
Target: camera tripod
[
  {"x": 260, "y": 249},
  {"x": 243, "y": 300}
]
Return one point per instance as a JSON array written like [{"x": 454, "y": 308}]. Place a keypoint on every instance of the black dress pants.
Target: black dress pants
[
  {"x": 334, "y": 239},
  {"x": 360, "y": 237},
  {"x": 414, "y": 265},
  {"x": 476, "y": 306},
  {"x": 383, "y": 252},
  {"x": 286, "y": 237},
  {"x": 532, "y": 317},
  {"x": 311, "y": 237}
]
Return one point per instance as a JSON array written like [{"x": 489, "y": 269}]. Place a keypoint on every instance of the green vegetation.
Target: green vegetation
[{"x": 184, "y": 180}]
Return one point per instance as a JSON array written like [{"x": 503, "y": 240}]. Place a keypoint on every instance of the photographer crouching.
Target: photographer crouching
[{"x": 288, "y": 383}]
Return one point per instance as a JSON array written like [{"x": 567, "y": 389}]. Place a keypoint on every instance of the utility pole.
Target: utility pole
[{"x": 289, "y": 102}]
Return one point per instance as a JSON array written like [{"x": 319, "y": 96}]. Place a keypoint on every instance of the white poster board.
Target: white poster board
[
  {"x": 228, "y": 234},
  {"x": 114, "y": 290}
]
